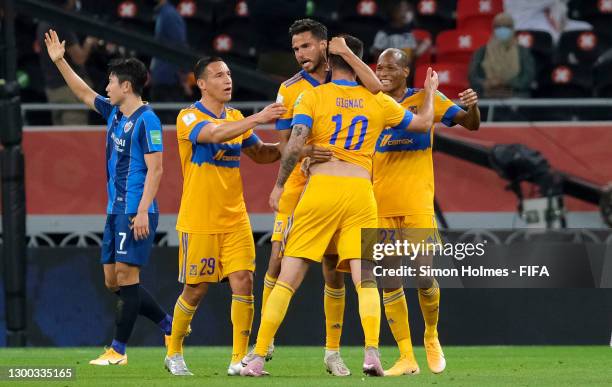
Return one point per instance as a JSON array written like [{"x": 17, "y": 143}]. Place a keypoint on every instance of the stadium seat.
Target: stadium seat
[
  {"x": 540, "y": 44},
  {"x": 457, "y": 46},
  {"x": 237, "y": 40},
  {"x": 426, "y": 57},
  {"x": 230, "y": 11},
  {"x": 603, "y": 74},
  {"x": 360, "y": 10},
  {"x": 136, "y": 15},
  {"x": 453, "y": 78},
  {"x": 596, "y": 12},
  {"x": 201, "y": 10},
  {"x": 566, "y": 81},
  {"x": 477, "y": 14},
  {"x": 198, "y": 18},
  {"x": 435, "y": 15},
  {"x": 582, "y": 47}
]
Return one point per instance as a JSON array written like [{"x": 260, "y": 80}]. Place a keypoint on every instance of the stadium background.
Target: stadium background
[{"x": 65, "y": 172}]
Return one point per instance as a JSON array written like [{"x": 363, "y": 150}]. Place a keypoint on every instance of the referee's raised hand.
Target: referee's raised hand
[{"x": 55, "y": 48}]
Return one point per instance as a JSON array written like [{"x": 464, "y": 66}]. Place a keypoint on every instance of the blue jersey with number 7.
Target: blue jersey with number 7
[{"x": 346, "y": 118}]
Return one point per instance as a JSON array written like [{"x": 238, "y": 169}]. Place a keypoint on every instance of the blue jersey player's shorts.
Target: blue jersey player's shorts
[{"x": 119, "y": 245}]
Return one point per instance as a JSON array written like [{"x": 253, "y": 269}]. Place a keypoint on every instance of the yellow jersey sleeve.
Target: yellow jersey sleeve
[
  {"x": 285, "y": 97},
  {"x": 189, "y": 124},
  {"x": 396, "y": 116},
  {"x": 303, "y": 111},
  {"x": 445, "y": 110}
]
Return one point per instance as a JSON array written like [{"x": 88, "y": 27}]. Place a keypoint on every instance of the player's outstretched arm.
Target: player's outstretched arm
[
  {"x": 423, "y": 120},
  {"x": 263, "y": 153},
  {"x": 291, "y": 156},
  {"x": 140, "y": 223},
  {"x": 365, "y": 74},
  {"x": 470, "y": 119},
  {"x": 214, "y": 133},
  {"x": 56, "y": 51}
]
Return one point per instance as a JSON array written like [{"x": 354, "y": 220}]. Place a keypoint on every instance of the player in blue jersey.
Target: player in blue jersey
[{"x": 133, "y": 172}]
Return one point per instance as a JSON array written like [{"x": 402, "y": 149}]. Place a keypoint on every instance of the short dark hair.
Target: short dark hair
[
  {"x": 131, "y": 70},
  {"x": 356, "y": 45},
  {"x": 318, "y": 30},
  {"x": 200, "y": 67}
]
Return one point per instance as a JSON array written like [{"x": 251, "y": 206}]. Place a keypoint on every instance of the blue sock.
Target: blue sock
[
  {"x": 166, "y": 325},
  {"x": 118, "y": 346}
]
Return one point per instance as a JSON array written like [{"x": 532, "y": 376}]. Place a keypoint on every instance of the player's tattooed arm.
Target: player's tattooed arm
[
  {"x": 263, "y": 153},
  {"x": 291, "y": 155}
]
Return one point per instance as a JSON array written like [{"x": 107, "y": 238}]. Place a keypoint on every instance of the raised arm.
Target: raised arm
[
  {"x": 470, "y": 119},
  {"x": 56, "y": 51},
  {"x": 213, "y": 133},
  {"x": 291, "y": 156},
  {"x": 423, "y": 120},
  {"x": 365, "y": 74}
]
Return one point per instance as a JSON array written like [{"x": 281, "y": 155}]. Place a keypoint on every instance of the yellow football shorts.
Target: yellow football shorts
[
  {"x": 212, "y": 257},
  {"x": 414, "y": 228},
  {"x": 291, "y": 195},
  {"x": 331, "y": 208}
]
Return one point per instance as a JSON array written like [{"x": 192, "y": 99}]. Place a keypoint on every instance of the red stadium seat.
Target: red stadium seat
[
  {"x": 421, "y": 35},
  {"x": 566, "y": 81},
  {"x": 582, "y": 47},
  {"x": 541, "y": 46},
  {"x": 477, "y": 14},
  {"x": 457, "y": 46},
  {"x": 435, "y": 15},
  {"x": 453, "y": 78}
]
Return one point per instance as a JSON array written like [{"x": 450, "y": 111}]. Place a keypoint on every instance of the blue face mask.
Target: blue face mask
[{"x": 503, "y": 33}]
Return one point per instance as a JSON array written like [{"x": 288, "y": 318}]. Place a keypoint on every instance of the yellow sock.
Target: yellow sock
[
  {"x": 269, "y": 282},
  {"x": 429, "y": 299},
  {"x": 369, "y": 311},
  {"x": 333, "y": 302},
  {"x": 275, "y": 311},
  {"x": 183, "y": 313},
  {"x": 396, "y": 311},
  {"x": 243, "y": 308}
]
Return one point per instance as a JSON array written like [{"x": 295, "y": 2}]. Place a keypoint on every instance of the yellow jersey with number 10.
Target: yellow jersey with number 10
[
  {"x": 346, "y": 118},
  {"x": 403, "y": 163}
]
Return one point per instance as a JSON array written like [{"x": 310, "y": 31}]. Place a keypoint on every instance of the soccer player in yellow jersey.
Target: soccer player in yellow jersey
[
  {"x": 215, "y": 235},
  {"x": 338, "y": 200},
  {"x": 309, "y": 43},
  {"x": 404, "y": 190}
]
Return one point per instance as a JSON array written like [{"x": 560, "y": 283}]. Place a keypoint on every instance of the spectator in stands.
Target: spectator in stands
[
  {"x": 502, "y": 68},
  {"x": 543, "y": 15},
  {"x": 399, "y": 33},
  {"x": 76, "y": 55},
  {"x": 168, "y": 80}
]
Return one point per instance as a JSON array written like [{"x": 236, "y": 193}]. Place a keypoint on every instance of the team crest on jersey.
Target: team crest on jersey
[
  {"x": 413, "y": 109},
  {"x": 189, "y": 118},
  {"x": 128, "y": 126}
]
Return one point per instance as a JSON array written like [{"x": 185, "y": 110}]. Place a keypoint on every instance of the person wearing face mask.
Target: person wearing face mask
[
  {"x": 502, "y": 68},
  {"x": 399, "y": 33}
]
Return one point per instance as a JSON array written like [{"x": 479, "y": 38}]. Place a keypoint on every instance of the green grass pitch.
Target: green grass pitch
[{"x": 303, "y": 366}]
